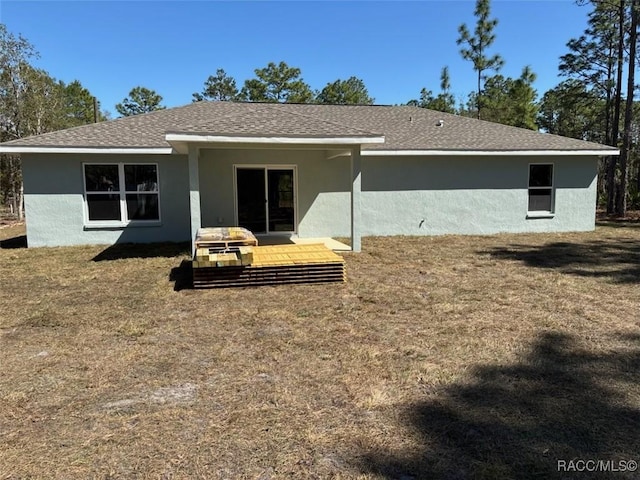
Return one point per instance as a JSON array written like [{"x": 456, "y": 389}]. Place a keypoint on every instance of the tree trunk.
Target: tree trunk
[
  {"x": 20, "y": 202},
  {"x": 613, "y": 161},
  {"x": 604, "y": 162},
  {"x": 478, "y": 99},
  {"x": 621, "y": 201},
  {"x": 607, "y": 109},
  {"x": 13, "y": 183}
]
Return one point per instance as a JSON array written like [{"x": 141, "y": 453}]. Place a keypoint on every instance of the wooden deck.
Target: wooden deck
[{"x": 267, "y": 265}]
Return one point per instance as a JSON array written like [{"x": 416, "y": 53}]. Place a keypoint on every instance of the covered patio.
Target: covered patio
[
  {"x": 227, "y": 158},
  {"x": 307, "y": 140}
]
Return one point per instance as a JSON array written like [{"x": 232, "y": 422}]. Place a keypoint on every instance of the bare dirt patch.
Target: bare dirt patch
[{"x": 441, "y": 357}]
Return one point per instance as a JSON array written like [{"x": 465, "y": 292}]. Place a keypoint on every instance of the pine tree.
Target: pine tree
[
  {"x": 140, "y": 100},
  {"x": 278, "y": 84},
  {"x": 597, "y": 58},
  {"x": 623, "y": 187},
  {"x": 345, "y": 92},
  {"x": 477, "y": 45},
  {"x": 220, "y": 87}
]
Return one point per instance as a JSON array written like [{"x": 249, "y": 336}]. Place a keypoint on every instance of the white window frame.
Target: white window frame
[
  {"x": 122, "y": 192},
  {"x": 542, "y": 213}
]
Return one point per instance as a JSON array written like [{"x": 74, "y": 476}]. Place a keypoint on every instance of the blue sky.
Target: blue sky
[{"x": 396, "y": 47}]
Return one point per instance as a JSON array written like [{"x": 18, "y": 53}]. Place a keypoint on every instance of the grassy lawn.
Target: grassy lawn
[{"x": 447, "y": 357}]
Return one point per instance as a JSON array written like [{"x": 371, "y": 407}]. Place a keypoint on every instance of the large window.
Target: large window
[
  {"x": 121, "y": 193},
  {"x": 541, "y": 187}
]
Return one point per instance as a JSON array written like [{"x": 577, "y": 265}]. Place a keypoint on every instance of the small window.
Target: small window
[
  {"x": 541, "y": 188},
  {"x": 121, "y": 193}
]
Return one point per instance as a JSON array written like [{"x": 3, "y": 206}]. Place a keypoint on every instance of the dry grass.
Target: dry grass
[{"x": 449, "y": 357}]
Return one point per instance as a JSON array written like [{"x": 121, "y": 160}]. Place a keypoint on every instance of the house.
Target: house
[{"x": 305, "y": 170}]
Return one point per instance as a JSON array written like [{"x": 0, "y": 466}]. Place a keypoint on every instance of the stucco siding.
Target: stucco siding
[
  {"x": 411, "y": 195},
  {"x": 472, "y": 195},
  {"x": 54, "y": 201},
  {"x": 322, "y": 187},
  {"x": 400, "y": 195}
]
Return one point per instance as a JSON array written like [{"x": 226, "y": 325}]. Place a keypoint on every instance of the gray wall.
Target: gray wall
[
  {"x": 411, "y": 195},
  {"x": 54, "y": 204},
  {"x": 471, "y": 195},
  {"x": 323, "y": 187},
  {"x": 400, "y": 195}
]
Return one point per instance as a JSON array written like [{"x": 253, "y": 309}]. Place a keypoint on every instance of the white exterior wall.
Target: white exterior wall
[
  {"x": 408, "y": 195},
  {"x": 401, "y": 195},
  {"x": 54, "y": 201},
  {"x": 323, "y": 188},
  {"x": 472, "y": 195}
]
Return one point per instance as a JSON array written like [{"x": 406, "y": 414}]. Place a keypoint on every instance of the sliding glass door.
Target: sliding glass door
[{"x": 266, "y": 199}]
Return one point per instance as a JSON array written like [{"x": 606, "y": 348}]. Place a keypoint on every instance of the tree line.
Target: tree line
[
  {"x": 33, "y": 102},
  {"x": 277, "y": 83},
  {"x": 596, "y": 101},
  {"x": 591, "y": 103}
]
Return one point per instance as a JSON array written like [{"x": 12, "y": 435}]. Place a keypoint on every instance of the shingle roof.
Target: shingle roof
[
  {"x": 403, "y": 127},
  {"x": 268, "y": 120}
]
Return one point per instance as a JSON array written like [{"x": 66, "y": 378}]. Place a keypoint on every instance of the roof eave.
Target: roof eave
[
  {"x": 15, "y": 149},
  {"x": 492, "y": 153},
  {"x": 180, "y": 140}
]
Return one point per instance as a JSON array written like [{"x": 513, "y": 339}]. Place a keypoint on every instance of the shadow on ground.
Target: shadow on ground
[
  {"x": 518, "y": 421},
  {"x": 618, "y": 223},
  {"x": 14, "y": 242},
  {"x": 182, "y": 276},
  {"x": 121, "y": 251},
  {"x": 616, "y": 259}
]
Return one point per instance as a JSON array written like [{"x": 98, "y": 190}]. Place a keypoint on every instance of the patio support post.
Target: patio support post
[
  {"x": 356, "y": 184},
  {"x": 194, "y": 193}
]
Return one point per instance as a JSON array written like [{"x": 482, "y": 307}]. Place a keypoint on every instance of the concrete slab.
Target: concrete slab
[{"x": 329, "y": 242}]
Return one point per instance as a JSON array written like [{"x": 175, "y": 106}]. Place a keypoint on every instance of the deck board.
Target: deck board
[{"x": 274, "y": 265}]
